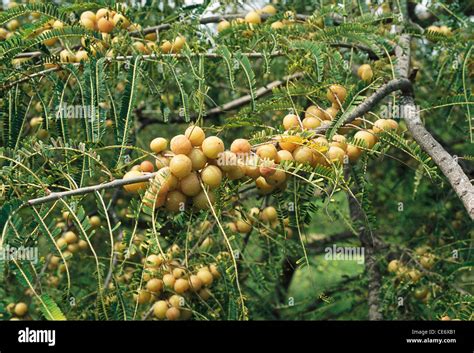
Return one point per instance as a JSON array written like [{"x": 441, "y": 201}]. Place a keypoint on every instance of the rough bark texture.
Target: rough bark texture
[{"x": 409, "y": 112}]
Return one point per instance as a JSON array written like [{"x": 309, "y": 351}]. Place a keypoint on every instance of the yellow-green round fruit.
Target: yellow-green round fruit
[
  {"x": 180, "y": 144},
  {"x": 198, "y": 159},
  {"x": 195, "y": 283},
  {"x": 181, "y": 285},
  {"x": 159, "y": 144},
  {"x": 268, "y": 152},
  {"x": 190, "y": 185},
  {"x": 277, "y": 25},
  {"x": 353, "y": 153},
  {"x": 243, "y": 226},
  {"x": 269, "y": 10},
  {"x": 310, "y": 123},
  {"x": 212, "y": 146},
  {"x": 94, "y": 221},
  {"x": 366, "y": 137},
  {"x": 269, "y": 214},
  {"x": 211, "y": 176},
  {"x": 181, "y": 166},
  {"x": 175, "y": 201},
  {"x": 303, "y": 154},
  {"x": 169, "y": 280},
  {"x": 291, "y": 121},
  {"x": 154, "y": 285},
  {"x": 240, "y": 147},
  {"x": 143, "y": 297},
  {"x": 173, "y": 314},
  {"x": 176, "y": 301},
  {"x": 20, "y": 309},
  {"x": 70, "y": 237},
  {"x": 195, "y": 135},
  {"x": 393, "y": 266},
  {"x": 253, "y": 18},
  {"x": 201, "y": 202},
  {"x": 365, "y": 72},
  {"x": 223, "y": 25},
  {"x": 135, "y": 187},
  {"x": 205, "y": 276},
  {"x": 335, "y": 154},
  {"x": 159, "y": 309},
  {"x": 336, "y": 91},
  {"x": 105, "y": 25}
]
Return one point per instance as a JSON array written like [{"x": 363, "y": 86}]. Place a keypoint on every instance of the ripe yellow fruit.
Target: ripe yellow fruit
[
  {"x": 181, "y": 285},
  {"x": 178, "y": 272},
  {"x": 154, "y": 261},
  {"x": 83, "y": 245},
  {"x": 214, "y": 270},
  {"x": 89, "y": 15},
  {"x": 154, "y": 285},
  {"x": 180, "y": 144},
  {"x": 176, "y": 301},
  {"x": 277, "y": 25},
  {"x": 105, "y": 25},
  {"x": 94, "y": 221},
  {"x": 121, "y": 21},
  {"x": 198, "y": 159},
  {"x": 353, "y": 153},
  {"x": 181, "y": 166},
  {"x": 61, "y": 243},
  {"x": 269, "y": 9},
  {"x": 385, "y": 125},
  {"x": 200, "y": 200},
  {"x": 269, "y": 214},
  {"x": 173, "y": 314},
  {"x": 331, "y": 113},
  {"x": 303, "y": 154},
  {"x": 365, "y": 72},
  {"x": 253, "y": 18},
  {"x": 142, "y": 296},
  {"x": 212, "y": 146},
  {"x": 263, "y": 186},
  {"x": 366, "y": 137},
  {"x": 166, "y": 46},
  {"x": 175, "y": 201},
  {"x": 190, "y": 185},
  {"x": 243, "y": 226},
  {"x": 315, "y": 112},
  {"x": 336, "y": 91},
  {"x": 159, "y": 309},
  {"x": 284, "y": 155},
  {"x": 277, "y": 178},
  {"x": 195, "y": 283},
  {"x": 70, "y": 237},
  {"x": 204, "y": 294},
  {"x": 211, "y": 176},
  {"x": 240, "y": 146},
  {"x": 268, "y": 152},
  {"x": 13, "y": 25},
  {"x": 223, "y": 25},
  {"x": 159, "y": 144},
  {"x": 393, "y": 266},
  {"x": 339, "y": 141},
  {"x": 289, "y": 142},
  {"x": 310, "y": 123},
  {"x": 67, "y": 56},
  {"x": 178, "y": 44},
  {"x": 81, "y": 55},
  {"x": 205, "y": 276},
  {"x": 135, "y": 187},
  {"x": 146, "y": 167},
  {"x": 169, "y": 280},
  {"x": 195, "y": 135},
  {"x": 335, "y": 154},
  {"x": 20, "y": 309},
  {"x": 291, "y": 121}
]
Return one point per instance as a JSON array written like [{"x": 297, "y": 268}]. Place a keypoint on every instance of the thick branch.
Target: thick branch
[
  {"x": 402, "y": 84},
  {"x": 89, "y": 189},
  {"x": 409, "y": 112}
]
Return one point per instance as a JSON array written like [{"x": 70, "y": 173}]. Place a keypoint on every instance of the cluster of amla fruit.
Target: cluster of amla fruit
[
  {"x": 172, "y": 286},
  {"x": 191, "y": 170}
]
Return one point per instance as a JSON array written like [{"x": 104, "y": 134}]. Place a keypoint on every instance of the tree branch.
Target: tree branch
[
  {"x": 409, "y": 112},
  {"x": 88, "y": 189}
]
